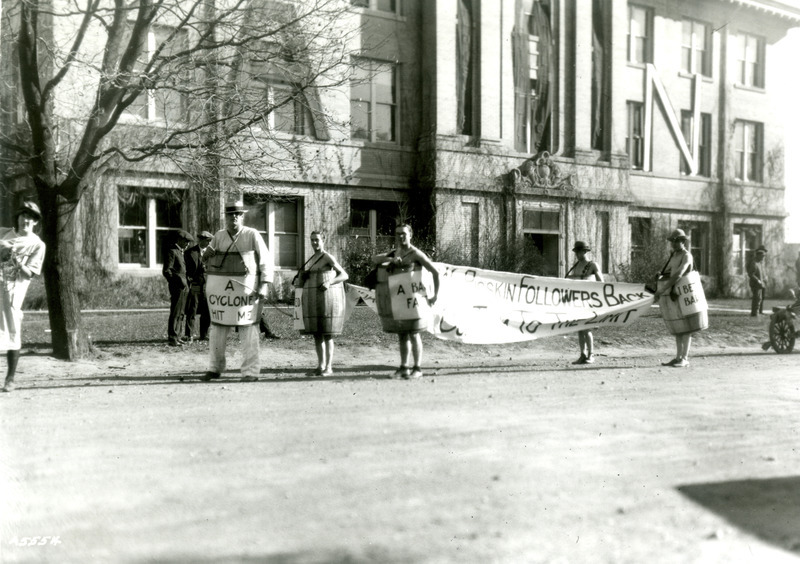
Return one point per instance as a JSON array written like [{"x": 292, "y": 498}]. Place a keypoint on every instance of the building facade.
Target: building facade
[{"x": 498, "y": 127}]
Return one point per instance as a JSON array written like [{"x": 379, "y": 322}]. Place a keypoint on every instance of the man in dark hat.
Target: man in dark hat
[
  {"x": 21, "y": 258},
  {"x": 196, "y": 298},
  {"x": 238, "y": 251},
  {"x": 174, "y": 271},
  {"x": 757, "y": 280}
]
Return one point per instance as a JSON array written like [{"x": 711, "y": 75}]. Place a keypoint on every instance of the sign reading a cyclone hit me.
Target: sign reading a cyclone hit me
[
  {"x": 232, "y": 300},
  {"x": 485, "y": 307}
]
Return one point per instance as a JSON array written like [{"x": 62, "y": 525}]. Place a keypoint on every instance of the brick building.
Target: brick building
[{"x": 496, "y": 124}]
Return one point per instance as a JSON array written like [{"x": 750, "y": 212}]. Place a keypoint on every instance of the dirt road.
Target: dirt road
[{"x": 497, "y": 455}]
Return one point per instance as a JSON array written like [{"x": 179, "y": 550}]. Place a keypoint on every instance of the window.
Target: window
[
  {"x": 696, "y": 48},
  {"x": 748, "y": 150},
  {"x": 146, "y": 218},
  {"x": 279, "y": 222},
  {"x": 640, "y": 34},
  {"x": 641, "y": 232},
  {"x": 290, "y": 113},
  {"x": 746, "y": 238},
  {"x": 750, "y": 60},
  {"x": 374, "y": 220},
  {"x": 698, "y": 241},
  {"x": 469, "y": 213},
  {"x": 602, "y": 240},
  {"x": 634, "y": 143},
  {"x": 373, "y": 106},
  {"x": 704, "y": 150},
  {"x": 541, "y": 235},
  {"x": 165, "y": 99},
  {"x": 379, "y": 5}
]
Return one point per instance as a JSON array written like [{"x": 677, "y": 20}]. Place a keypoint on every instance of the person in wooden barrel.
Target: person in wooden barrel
[
  {"x": 683, "y": 327},
  {"x": 239, "y": 266},
  {"x": 322, "y": 302},
  {"x": 584, "y": 269},
  {"x": 404, "y": 258}
]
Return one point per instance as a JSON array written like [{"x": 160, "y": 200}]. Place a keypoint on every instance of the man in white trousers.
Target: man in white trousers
[{"x": 238, "y": 251}]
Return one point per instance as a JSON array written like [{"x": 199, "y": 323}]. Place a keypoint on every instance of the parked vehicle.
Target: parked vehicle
[{"x": 783, "y": 328}]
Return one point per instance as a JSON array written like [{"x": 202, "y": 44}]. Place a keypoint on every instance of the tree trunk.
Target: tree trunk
[{"x": 59, "y": 230}]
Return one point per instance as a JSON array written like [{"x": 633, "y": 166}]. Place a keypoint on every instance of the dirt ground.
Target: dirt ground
[{"x": 498, "y": 454}]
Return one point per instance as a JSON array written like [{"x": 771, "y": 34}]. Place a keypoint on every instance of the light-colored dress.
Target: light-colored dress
[{"x": 29, "y": 250}]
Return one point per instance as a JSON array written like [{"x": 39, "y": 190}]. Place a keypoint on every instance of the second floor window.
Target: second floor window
[
  {"x": 750, "y": 60},
  {"x": 640, "y": 34},
  {"x": 634, "y": 143},
  {"x": 163, "y": 100},
  {"x": 704, "y": 149},
  {"x": 696, "y": 48},
  {"x": 379, "y": 5},
  {"x": 748, "y": 150},
  {"x": 290, "y": 113},
  {"x": 373, "y": 101}
]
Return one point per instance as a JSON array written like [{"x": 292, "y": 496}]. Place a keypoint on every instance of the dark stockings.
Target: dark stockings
[{"x": 13, "y": 358}]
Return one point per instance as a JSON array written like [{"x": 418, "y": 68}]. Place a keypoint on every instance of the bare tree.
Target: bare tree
[{"x": 90, "y": 77}]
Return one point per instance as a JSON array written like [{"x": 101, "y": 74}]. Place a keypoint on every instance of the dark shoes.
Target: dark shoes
[
  {"x": 209, "y": 376},
  {"x": 271, "y": 335},
  {"x": 175, "y": 343}
]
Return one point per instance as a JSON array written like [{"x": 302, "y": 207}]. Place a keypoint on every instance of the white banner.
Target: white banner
[{"x": 487, "y": 307}]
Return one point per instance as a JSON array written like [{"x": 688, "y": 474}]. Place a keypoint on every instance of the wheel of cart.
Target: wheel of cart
[{"x": 781, "y": 334}]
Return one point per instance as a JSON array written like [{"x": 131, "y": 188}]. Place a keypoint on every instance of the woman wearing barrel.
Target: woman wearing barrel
[
  {"x": 679, "y": 264},
  {"x": 584, "y": 269},
  {"x": 21, "y": 258},
  {"x": 404, "y": 258},
  {"x": 323, "y": 301}
]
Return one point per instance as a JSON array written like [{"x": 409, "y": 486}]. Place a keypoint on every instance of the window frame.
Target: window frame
[
  {"x": 744, "y": 77},
  {"x": 373, "y": 5},
  {"x": 742, "y": 253},
  {"x": 648, "y": 35},
  {"x": 642, "y": 227},
  {"x": 699, "y": 233},
  {"x": 149, "y": 109},
  {"x": 704, "y": 140},
  {"x": 633, "y": 107},
  {"x": 372, "y": 207},
  {"x": 707, "y": 46},
  {"x": 269, "y": 234},
  {"x": 742, "y": 164},
  {"x": 153, "y": 255},
  {"x": 374, "y": 66}
]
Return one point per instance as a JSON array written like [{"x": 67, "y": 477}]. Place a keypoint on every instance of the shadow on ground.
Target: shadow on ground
[{"x": 768, "y": 508}]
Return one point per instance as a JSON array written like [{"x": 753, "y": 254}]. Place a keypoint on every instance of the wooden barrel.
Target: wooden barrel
[
  {"x": 323, "y": 310},
  {"x": 384, "y": 303},
  {"x": 676, "y": 322}
]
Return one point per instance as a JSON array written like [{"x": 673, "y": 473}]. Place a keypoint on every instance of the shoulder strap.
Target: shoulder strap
[
  {"x": 570, "y": 270},
  {"x": 666, "y": 264}
]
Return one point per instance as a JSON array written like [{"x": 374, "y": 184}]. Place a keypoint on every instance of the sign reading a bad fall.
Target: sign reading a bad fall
[{"x": 487, "y": 307}]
